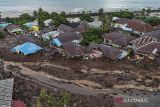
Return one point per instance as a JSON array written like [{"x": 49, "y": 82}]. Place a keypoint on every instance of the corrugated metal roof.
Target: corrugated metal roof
[{"x": 6, "y": 90}]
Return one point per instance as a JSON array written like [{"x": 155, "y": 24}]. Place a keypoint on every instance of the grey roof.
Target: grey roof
[
  {"x": 65, "y": 28},
  {"x": 69, "y": 37},
  {"x": 11, "y": 27},
  {"x": 6, "y": 90}
]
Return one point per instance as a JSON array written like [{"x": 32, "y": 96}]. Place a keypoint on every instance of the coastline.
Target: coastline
[{"x": 16, "y": 13}]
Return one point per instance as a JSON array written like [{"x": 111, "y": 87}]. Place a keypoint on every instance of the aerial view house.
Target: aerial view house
[
  {"x": 119, "y": 22},
  {"x": 48, "y": 22},
  {"x": 139, "y": 27},
  {"x": 150, "y": 50},
  {"x": 154, "y": 34},
  {"x": 113, "y": 53},
  {"x": 14, "y": 29},
  {"x": 117, "y": 39},
  {"x": 95, "y": 24},
  {"x": 26, "y": 48},
  {"x": 82, "y": 27},
  {"x": 73, "y": 50},
  {"x": 50, "y": 35},
  {"x": 64, "y": 28},
  {"x": 145, "y": 46},
  {"x": 4, "y": 24}
]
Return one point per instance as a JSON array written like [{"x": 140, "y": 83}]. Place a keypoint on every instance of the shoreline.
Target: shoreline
[{"x": 16, "y": 13}]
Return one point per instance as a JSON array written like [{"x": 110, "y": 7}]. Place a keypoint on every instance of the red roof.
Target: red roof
[
  {"x": 17, "y": 103},
  {"x": 138, "y": 25}
]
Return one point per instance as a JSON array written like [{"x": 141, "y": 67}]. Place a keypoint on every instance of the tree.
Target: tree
[
  {"x": 86, "y": 17},
  {"x": 38, "y": 103},
  {"x": 101, "y": 12},
  {"x": 92, "y": 35},
  {"x": 154, "y": 21},
  {"x": 106, "y": 24}
]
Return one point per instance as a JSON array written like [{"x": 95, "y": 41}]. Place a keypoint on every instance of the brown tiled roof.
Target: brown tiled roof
[
  {"x": 93, "y": 46},
  {"x": 138, "y": 25},
  {"x": 118, "y": 38},
  {"x": 11, "y": 27},
  {"x": 121, "y": 21},
  {"x": 68, "y": 37},
  {"x": 154, "y": 34},
  {"x": 149, "y": 48},
  {"x": 142, "y": 41},
  {"x": 65, "y": 28},
  {"x": 28, "y": 38},
  {"x": 73, "y": 49},
  {"x": 110, "y": 52}
]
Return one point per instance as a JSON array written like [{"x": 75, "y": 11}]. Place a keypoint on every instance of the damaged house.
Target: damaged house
[
  {"x": 145, "y": 46},
  {"x": 113, "y": 53},
  {"x": 73, "y": 50},
  {"x": 117, "y": 39}
]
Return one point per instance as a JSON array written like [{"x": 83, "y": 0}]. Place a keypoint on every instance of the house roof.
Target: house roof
[
  {"x": 118, "y": 38},
  {"x": 68, "y": 37},
  {"x": 95, "y": 23},
  {"x": 150, "y": 48},
  {"x": 73, "y": 49},
  {"x": 12, "y": 27},
  {"x": 65, "y": 28},
  {"x": 121, "y": 21},
  {"x": 138, "y": 25},
  {"x": 46, "y": 30},
  {"x": 28, "y": 38},
  {"x": 27, "y": 48},
  {"x": 93, "y": 46},
  {"x": 110, "y": 52},
  {"x": 6, "y": 91},
  {"x": 154, "y": 34},
  {"x": 142, "y": 41}
]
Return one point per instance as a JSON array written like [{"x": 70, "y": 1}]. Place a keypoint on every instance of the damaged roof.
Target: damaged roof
[
  {"x": 118, "y": 38},
  {"x": 73, "y": 49},
  {"x": 150, "y": 48},
  {"x": 142, "y": 41},
  {"x": 154, "y": 34},
  {"x": 69, "y": 37}
]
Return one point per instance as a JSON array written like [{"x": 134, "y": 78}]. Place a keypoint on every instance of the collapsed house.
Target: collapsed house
[
  {"x": 145, "y": 47},
  {"x": 99, "y": 50},
  {"x": 73, "y": 50},
  {"x": 117, "y": 39}
]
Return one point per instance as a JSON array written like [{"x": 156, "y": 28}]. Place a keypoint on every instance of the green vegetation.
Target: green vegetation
[
  {"x": 154, "y": 21},
  {"x": 124, "y": 14},
  {"x": 86, "y": 17},
  {"x": 92, "y": 35},
  {"x": 48, "y": 100},
  {"x": 106, "y": 24}
]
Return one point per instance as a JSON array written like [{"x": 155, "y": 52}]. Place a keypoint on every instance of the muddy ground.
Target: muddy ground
[{"x": 98, "y": 74}]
